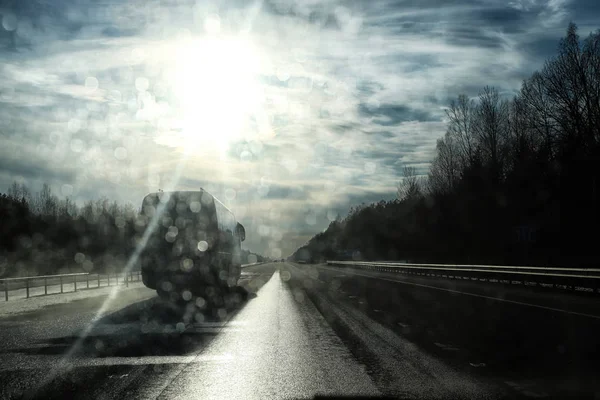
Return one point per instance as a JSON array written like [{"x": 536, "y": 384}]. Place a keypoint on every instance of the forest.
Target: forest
[{"x": 513, "y": 181}]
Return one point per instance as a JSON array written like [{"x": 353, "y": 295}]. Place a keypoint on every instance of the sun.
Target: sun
[{"x": 216, "y": 83}]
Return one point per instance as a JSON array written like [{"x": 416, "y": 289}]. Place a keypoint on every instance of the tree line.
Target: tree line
[
  {"x": 43, "y": 234},
  {"x": 513, "y": 180}
]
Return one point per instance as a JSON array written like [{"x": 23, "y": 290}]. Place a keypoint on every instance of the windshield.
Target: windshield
[{"x": 288, "y": 199}]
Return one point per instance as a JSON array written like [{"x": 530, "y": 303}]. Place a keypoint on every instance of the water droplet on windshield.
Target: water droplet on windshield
[
  {"x": 186, "y": 295},
  {"x": 370, "y": 167},
  {"x": 74, "y": 125},
  {"x": 76, "y": 145},
  {"x": 195, "y": 206},
  {"x": 167, "y": 286},
  {"x": 79, "y": 258},
  {"x": 200, "y": 302},
  {"x": 91, "y": 84},
  {"x": 230, "y": 194},
  {"x": 170, "y": 236},
  {"x": 9, "y": 21},
  {"x": 187, "y": 264},
  {"x": 298, "y": 296},
  {"x": 202, "y": 245},
  {"x": 88, "y": 266},
  {"x": 290, "y": 164},
  {"x": 286, "y": 275}
]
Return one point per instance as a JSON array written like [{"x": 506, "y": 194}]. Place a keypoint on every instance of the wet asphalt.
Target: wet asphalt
[{"x": 302, "y": 332}]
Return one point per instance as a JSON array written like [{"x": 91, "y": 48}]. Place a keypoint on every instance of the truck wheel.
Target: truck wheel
[{"x": 148, "y": 281}]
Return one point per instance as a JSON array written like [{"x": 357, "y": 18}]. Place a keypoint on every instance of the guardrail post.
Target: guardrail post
[
  {"x": 27, "y": 287},
  {"x": 45, "y": 286},
  {"x": 108, "y": 278},
  {"x": 98, "y": 279},
  {"x": 5, "y": 290},
  {"x": 87, "y": 281},
  {"x": 74, "y": 283},
  {"x": 126, "y": 280},
  {"x": 61, "y": 284}
]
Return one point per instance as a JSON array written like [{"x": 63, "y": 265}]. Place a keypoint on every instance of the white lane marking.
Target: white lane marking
[
  {"x": 478, "y": 295},
  {"x": 477, "y": 365},
  {"x": 446, "y": 346}
]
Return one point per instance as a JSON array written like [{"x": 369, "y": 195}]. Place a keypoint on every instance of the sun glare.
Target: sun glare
[{"x": 216, "y": 84}]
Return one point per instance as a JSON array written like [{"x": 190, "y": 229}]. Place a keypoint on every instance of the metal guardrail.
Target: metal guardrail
[
  {"x": 65, "y": 280},
  {"x": 555, "y": 276}
]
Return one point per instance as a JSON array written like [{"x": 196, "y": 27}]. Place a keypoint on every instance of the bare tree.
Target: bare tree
[
  {"x": 409, "y": 187},
  {"x": 461, "y": 115},
  {"x": 521, "y": 141},
  {"x": 15, "y": 191},
  {"x": 444, "y": 171},
  {"x": 67, "y": 208},
  {"x": 48, "y": 203},
  {"x": 540, "y": 113},
  {"x": 26, "y": 194},
  {"x": 88, "y": 212},
  {"x": 491, "y": 129},
  {"x": 571, "y": 82}
]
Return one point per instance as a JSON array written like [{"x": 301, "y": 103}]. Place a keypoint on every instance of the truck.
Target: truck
[{"x": 192, "y": 244}]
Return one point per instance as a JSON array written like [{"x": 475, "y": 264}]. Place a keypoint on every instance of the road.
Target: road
[
  {"x": 304, "y": 331},
  {"x": 539, "y": 342}
]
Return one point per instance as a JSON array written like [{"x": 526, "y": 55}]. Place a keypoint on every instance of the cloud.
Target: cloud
[
  {"x": 392, "y": 114},
  {"x": 309, "y": 107}
]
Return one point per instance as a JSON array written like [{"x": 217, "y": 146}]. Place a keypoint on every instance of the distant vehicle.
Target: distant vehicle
[{"x": 194, "y": 242}]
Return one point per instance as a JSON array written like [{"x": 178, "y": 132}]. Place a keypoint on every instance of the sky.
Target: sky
[{"x": 289, "y": 112}]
